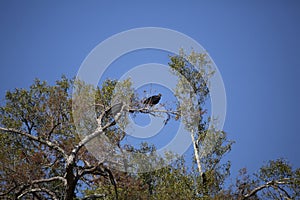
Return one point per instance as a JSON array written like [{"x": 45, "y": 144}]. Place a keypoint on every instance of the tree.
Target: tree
[
  {"x": 210, "y": 145},
  {"x": 275, "y": 180},
  {"x": 38, "y": 124},
  {"x": 171, "y": 182},
  {"x": 43, "y": 157}
]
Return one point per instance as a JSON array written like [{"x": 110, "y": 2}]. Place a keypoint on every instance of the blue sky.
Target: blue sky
[{"x": 255, "y": 45}]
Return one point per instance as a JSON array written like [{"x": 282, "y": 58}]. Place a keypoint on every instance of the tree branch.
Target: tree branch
[
  {"x": 8, "y": 191},
  {"x": 273, "y": 184},
  {"x": 95, "y": 170},
  {"x": 35, "y": 190},
  {"x": 285, "y": 192},
  {"x": 50, "y": 180},
  {"x": 52, "y": 130},
  {"x": 37, "y": 139},
  {"x": 94, "y": 196},
  {"x": 23, "y": 187},
  {"x": 88, "y": 138},
  {"x": 145, "y": 110},
  {"x": 102, "y": 170},
  {"x": 112, "y": 180}
]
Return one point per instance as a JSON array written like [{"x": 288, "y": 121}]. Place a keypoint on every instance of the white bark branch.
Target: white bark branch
[
  {"x": 273, "y": 184},
  {"x": 196, "y": 151},
  {"x": 88, "y": 138},
  {"x": 36, "y": 190},
  {"x": 56, "y": 178}
]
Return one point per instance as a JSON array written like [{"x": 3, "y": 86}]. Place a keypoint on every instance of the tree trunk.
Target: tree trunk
[
  {"x": 71, "y": 184},
  {"x": 196, "y": 151}
]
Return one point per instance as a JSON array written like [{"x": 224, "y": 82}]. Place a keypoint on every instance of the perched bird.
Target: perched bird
[
  {"x": 115, "y": 109},
  {"x": 204, "y": 178},
  {"x": 153, "y": 100}
]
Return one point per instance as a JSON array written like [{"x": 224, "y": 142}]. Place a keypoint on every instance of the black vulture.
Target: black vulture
[
  {"x": 115, "y": 109},
  {"x": 204, "y": 179},
  {"x": 153, "y": 100}
]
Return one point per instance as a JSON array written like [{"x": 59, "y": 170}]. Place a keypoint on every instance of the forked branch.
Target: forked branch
[{"x": 274, "y": 184}]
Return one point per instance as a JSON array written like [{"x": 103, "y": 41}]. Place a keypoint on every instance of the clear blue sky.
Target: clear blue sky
[{"x": 255, "y": 44}]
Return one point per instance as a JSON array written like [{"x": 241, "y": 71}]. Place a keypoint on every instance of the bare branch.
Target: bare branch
[
  {"x": 145, "y": 110},
  {"x": 35, "y": 190},
  {"x": 52, "y": 130},
  {"x": 285, "y": 192},
  {"x": 112, "y": 180},
  {"x": 53, "y": 163},
  {"x": 8, "y": 191},
  {"x": 56, "y": 178},
  {"x": 95, "y": 170},
  {"x": 273, "y": 184},
  {"x": 88, "y": 138},
  {"x": 37, "y": 139},
  {"x": 94, "y": 196},
  {"x": 32, "y": 183},
  {"x": 101, "y": 169}
]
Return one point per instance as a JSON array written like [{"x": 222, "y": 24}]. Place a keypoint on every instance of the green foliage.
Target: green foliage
[
  {"x": 194, "y": 71},
  {"x": 105, "y": 93},
  {"x": 275, "y": 170},
  {"x": 171, "y": 182},
  {"x": 43, "y": 111},
  {"x": 280, "y": 170},
  {"x": 210, "y": 145},
  {"x": 49, "y": 113},
  {"x": 275, "y": 180}
]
